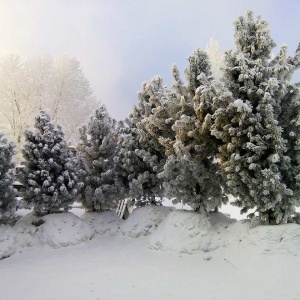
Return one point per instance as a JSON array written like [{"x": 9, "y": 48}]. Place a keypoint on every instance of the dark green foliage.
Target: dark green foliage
[{"x": 49, "y": 173}]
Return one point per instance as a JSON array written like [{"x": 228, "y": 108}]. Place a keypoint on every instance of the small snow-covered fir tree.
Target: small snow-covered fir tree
[
  {"x": 180, "y": 121},
  {"x": 7, "y": 194},
  {"x": 102, "y": 186},
  {"x": 49, "y": 173},
  {"x": 252, "y": 109}
]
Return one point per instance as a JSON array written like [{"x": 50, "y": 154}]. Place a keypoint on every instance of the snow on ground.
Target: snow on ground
[
  {"x": 56, "y": 230},
  {"x": 7, "y": 241},
  {"x": 188, "y": 232},
  {"x": 151, "y": 217},
  {"x": 180, "y": 256},
  {"x": 106, "y": 222}
]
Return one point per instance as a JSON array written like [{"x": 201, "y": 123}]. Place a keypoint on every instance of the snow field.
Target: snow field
[{"x": 158, "y": 253}]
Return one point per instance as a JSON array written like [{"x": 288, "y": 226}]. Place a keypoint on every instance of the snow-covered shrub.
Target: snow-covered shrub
[
  {"x": 7, "y": 194},
  {"x": 49, "y": 173}
]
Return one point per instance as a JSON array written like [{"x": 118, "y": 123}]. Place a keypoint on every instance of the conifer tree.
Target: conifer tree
[
  {"x": 138, "y": 164},
  {"x": 7, "y": 194},
  {"x": 102, "y": 185},
  {"x": 141, "y": 156},
  {"x": 181, "y": 122},
  {"x": 49, "y": 173},
  {"x": 288, "y": 113},
  {"x": 252, "y": 108}
]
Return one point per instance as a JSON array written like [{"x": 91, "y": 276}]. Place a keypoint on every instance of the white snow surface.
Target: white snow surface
[
  {"x": 143, "y": 221},
  {"x": 7, "y": 241},
  {"x": 189, "y": 232},
  {"x": 106, "y": 222},
  {"x": 62, "y": 231},
  {"x": 56, "y": 230},
  {"x": 158, "y": 253}
]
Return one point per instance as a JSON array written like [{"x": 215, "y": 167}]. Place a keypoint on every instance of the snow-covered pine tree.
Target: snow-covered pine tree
[
  {"x": 102, "y": 185},
  {"x": 49, "y": 173},
  {"x": 138, "y": 162},
  {"x": 249, "y": 119},
  {"x": 181, "y": 123},
  {"x": 7, "y": 194},
  {"x": 141, "y": 156},
  {"x": 288, "y": 115}
]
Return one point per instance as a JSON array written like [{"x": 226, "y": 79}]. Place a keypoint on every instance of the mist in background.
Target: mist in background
[{"x": 121, "y": 43}]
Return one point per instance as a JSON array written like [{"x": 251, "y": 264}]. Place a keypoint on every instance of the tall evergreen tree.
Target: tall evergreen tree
[
  {"x": 288, "y": 114},
  {"x": 250, "y": 119},
  {"x": 7, "y": 194},
  {"x": 181, "y": 122},
  {"x": 141, "y": 156},
  {"x": 102, "y": 186},
  {"x": 49, "y": 173}
]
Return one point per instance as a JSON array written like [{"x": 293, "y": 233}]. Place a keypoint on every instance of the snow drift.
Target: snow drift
[
  {"x": 145, "y": 220},
  {"x": 55, "y": 230},
  {"x": 164, "y": 228},
  {"x": 189, "y": 232},
  {"x": 63, "y": 230},
  {"x": 226, "y": 259},
  {"x": 103, "y": 223},
  {"x": 7, "y": 241}
]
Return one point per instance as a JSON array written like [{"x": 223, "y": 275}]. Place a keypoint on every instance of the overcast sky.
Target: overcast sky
[{"x": 121, "y": 43}]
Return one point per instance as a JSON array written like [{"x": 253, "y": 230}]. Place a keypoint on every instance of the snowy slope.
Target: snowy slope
[
  {"x": 182, "y": 256},
  {"x": 189, "y": 232},
  {"x": 145, "y": 220}
]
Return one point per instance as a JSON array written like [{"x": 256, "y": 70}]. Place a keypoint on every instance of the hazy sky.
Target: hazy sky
[{"x": 121, "y": 43}]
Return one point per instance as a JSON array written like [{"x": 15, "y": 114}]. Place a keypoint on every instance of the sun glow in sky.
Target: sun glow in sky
[{"x": 121, "y": 43}]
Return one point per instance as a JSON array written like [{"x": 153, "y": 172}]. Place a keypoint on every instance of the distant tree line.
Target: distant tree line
[{"x": 55, "y": 85}]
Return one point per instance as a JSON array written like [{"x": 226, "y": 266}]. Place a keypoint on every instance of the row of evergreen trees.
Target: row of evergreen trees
[{"x": 195, "y": 142}]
